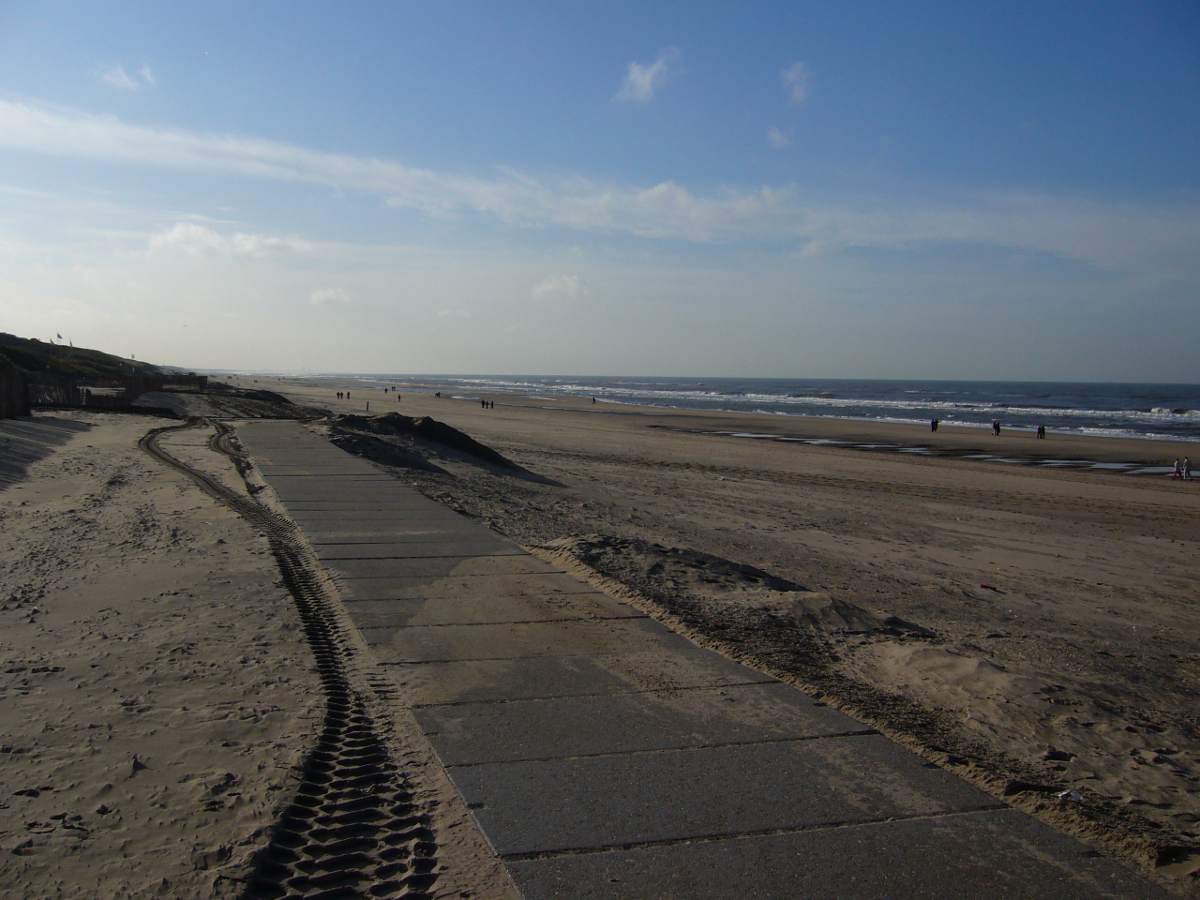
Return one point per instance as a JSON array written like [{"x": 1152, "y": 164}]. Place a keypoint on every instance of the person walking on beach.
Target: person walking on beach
[
  {"x": 1178, "y": 472},
  {"x": 933, "y": 424},
  {"x": 1041, "y": 432},
  {"x": 1187, "y": 469}
]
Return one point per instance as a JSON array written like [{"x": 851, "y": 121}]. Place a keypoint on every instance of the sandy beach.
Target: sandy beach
[
  {"x": 1034, "y": 629},
  {"x": 158, "y": 693},
  {"x": 1031, "y": 629}
]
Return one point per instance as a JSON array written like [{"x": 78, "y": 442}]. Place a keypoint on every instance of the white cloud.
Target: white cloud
[
  {"x": 454, "y": 313},
  {"x": 558, "y": 287},
  {"x": 643, "y": 81},
  {"x": 777, "y": 139},
  {"x": 795, "y": 82},
  {"x": 329, "y": 296},
  {"x": 116, "y": 76},
  {"x": 198, "y": 240},
  {"x": 1109, "y": 235},
  {"x": 666, "y": 209}
]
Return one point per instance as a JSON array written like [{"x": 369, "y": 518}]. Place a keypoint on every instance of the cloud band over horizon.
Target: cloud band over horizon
[{"x": 1105, "y": 235}]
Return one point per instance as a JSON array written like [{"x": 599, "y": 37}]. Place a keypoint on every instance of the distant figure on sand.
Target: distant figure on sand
[
  {"x": 1041, "y": 432},
  {"x": 1187, "y": 469},
  {"x": 996, "y": 427},
  {"x": 933, "y": 424},
  {"x": 1178, "y": 471}
]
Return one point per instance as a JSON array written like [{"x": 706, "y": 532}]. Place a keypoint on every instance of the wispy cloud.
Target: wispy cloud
[
  {"x": 778, "y": 139},
  {"x": 644, "y": 80},
  {"x": 1108, "y": 235},
  {"x": 329, "y": 296},
  {"x": 198, "y": 240},
  {"x": 663, "y": 210},
  {"x": 558, "y": 287},
  {"x": 455, "y": 313},
  {"x": 795, "y": 82},
  {"x": 116, "y": 76}
]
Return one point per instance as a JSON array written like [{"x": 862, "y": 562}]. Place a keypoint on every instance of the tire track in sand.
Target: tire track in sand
[{"x": 354, "y": 826}]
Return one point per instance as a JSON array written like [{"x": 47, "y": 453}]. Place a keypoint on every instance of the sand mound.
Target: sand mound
[
  {"x": 223, "y": 401},
  {"x": 381, "y": 451},
  {"x": 421, "y": 434},
  {"x": 719, "y": 583},
  {"x": 267, "y": 397}
]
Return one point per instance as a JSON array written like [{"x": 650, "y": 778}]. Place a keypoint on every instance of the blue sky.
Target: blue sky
[{"x": 943, "y": 190}]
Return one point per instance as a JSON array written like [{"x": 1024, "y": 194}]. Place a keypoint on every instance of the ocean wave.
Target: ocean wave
[{"x": 990, "y": 408}]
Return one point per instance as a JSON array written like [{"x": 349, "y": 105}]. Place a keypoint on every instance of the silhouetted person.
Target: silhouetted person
[
  {"x": 933, "y": 424},
  {"x": 1041, "y": 432},
  {"x": 1187, "y": 469}
]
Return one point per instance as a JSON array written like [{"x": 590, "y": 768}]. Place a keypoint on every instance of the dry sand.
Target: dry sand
[
  {"x": 158, "y": 699},
  {"x": 1037, "y": 630},
  {"x": 155, "y": 691}
]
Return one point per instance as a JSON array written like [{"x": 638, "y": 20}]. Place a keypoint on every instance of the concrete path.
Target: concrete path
[{"x": 606, "y": 756}]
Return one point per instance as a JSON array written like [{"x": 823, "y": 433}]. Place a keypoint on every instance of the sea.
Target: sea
[{"x": 1148, "y": 411}]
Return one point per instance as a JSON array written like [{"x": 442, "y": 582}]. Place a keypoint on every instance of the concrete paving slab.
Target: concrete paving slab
[
  {"x": 394, "y": 517},
  {"x": 437, "y": 532},
  {"x": 1000, "y": 853},
  {"x": 354, "y": 534},
  {"x": 535, "y": 807},
  {"x": 413, "y": 549},
  {"x": 501, "y": 680},
  {"x": 486, "y": 609},
  {"x": 603, "y": 756},
  {"x": 440, "y": 567},
  {"x": 316, "y": 468},
  {"x": 298, "y": 477},
  {"x": 404, "y": 510},
  {"x": 468, "y": 588},
  {"x": 374, "y": 508},
  {"x": 579, "y": 726},
  {"x": 607, "y": 637},
  {"x": 371, "y": 502}
]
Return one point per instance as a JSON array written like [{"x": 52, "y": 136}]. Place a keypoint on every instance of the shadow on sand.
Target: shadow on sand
[{"x": 24, "y": 441}]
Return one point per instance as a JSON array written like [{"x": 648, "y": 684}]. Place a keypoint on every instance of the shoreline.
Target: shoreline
[
  {"x": 951, "y": 437},
  {"x": 1025, "y": 418}
]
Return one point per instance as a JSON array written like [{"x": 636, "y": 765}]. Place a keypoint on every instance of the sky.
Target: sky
[{"x": 924, "y": 190}]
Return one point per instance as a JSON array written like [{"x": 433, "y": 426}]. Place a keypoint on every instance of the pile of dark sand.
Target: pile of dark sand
[
  {"x": 812, "y": 640},
  {"x": 399, "y": 440}
]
